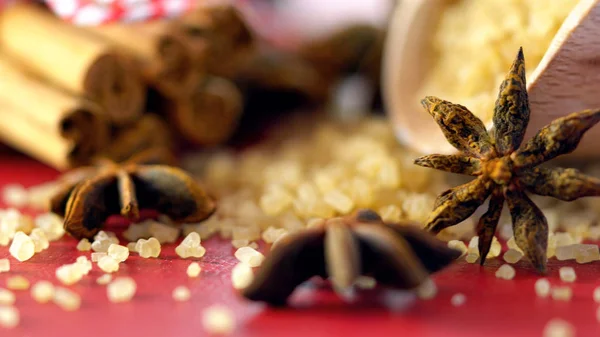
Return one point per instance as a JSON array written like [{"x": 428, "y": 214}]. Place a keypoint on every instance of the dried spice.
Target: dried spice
[
  {"x": 95, "y": 193},
  {"x": 343, "y": 249},
  {"x": 505, "y": 170}
]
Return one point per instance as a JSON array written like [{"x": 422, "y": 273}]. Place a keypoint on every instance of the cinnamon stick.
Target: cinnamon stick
[
  {"x": 48, "y": 124},
  {"x": 164, "y": 57},
  {"x": 210, "y": 115},
  {"x": 72, "y": 59},
  {"x": 220, "y": 33}
]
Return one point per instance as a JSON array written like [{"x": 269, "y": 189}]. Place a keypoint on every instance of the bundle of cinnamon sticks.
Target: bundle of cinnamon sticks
[{"x": 70, "y": 94}]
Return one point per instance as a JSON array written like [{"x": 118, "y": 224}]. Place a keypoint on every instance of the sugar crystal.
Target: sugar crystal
[
  {"x": 163, "y": 233},
  {"x": 22, "y": 247},
  {"x": 122, "y": 289},
  {"x": 84, "y": 245},
  {"x": 250, "y": 256},
  {"x": 542, "y": 287},
  {"x": 97, "y": 256},
  {"x": 506, "y": 272},
  {"x": 40, "y": 242},
  {"x": 108, "y": 264},
  {"x": 42, "y": 291},
  {"x": 241, "y": 275},
  {"x": 4, "y": 265},
  {"x": 458, "y": 245},
  {"x": 118, "y": 252},
  {"x": 66, "y": 299},
  {"x": 17, "y": 282},
  {"x": 512, "y": 256},
  {"x": 9, "y": 316},
  {"x": 567, "y": 274},
  {"x": 458, "y": 299},
  {"x": 104, "y": 279},
  {"x": 427, "y": 290},
  {"x": 559, "y": 328},
  {"x": 7, "y": 297},
  {"x": 218, "y": 320},
  {"x": 181, "y": 294},
  {"x": 51, "y": 224},
  {"x": 193, "y": 270},
  {"x": 563, "y": 293}
]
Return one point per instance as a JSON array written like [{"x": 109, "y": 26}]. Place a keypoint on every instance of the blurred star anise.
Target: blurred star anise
[
  {"x": 505, "y": 170},
  {"x": 91, "y": 194},
  {"x": 396, "y": 255}
]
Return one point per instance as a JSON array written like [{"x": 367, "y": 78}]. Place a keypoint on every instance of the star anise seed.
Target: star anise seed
[
  {"x": 504, "y": 169},
  {"x": 342, "y": 249},
  {"x": 95, "y": 193}
]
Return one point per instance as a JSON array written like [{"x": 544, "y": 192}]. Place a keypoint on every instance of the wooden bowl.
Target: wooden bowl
[{"x": 566, "y": 80}]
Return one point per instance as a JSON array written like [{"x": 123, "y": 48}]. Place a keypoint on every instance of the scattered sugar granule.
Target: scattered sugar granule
[
  {"x": 42, "y": 291},
  {"x": 190, "y": 246},
  {"x": 84, "y": 264},
  {"x": 104, "y": 279},
  {"x": 512, "y": 244},
  {"x": 108, "y": 264},
  {"x": 458, "y": 245},
  {"x": 40, "y": 242},
  {"x": 241, "y": 275},
  {"x": 250, "y": 256},
  {"x": 559, "y": 328},
  {"x": 118, "y": 252},
  {"x": 102, "y": 241},
  {"x": 51, "y": 224},
  {"x": 218, "y": 320},
  {"x": 586, "y": 253},
  {"x": 365, "y": 282},
  {"x": 181, "y": 294},
  {"x": 22, "y": 247},
  {"x": 137, "y": 231},
  {"x": 495, "y": 248},
  {"x": 562, "y": 293},
  {"x": 567, "y": 274},
  {"x": 596, "y": 294},
  {"x": 542, "y": 287},
  {"x": 66, "y": 299},
  {"x": 472, "y": 258},
  {"x": 97, "y": 256},
  {"x": 148, "y": 248},
  {"x": 427, "y": 290},
  {"x": 473, "y": 246},
  {"x": 193, "y": 270},
  {"x": 458, "y": 299},
  {"x": 17, "y": 282},
  {"x": 4, "y": 265},
  {"x": 506, "y": 271},
  {"x": 122, "y": 289},
  {"x": 163, "y": 233},
  {"x": 7, "y": 297},
  {"x": 131, "y": 247},
  {"x": 564, "y": 239},
  {"x": 566, "y": 252},
  {"x": 15, "y": 195},
  {"x": 512, "y": 256},
  {"x": 84, "y": 245},
  {"x": 9, "y": 316},
  {"x": 69, "y": 274},
  {"x": 240, "y": 243},
  {"x": 271, "y": 234}
]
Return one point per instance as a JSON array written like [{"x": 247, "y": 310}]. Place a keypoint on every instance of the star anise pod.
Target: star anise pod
[
  {"x": 505, "y": 170},
  {"x": 396, "y": 255},
  {"x": 91, "y": 194}
]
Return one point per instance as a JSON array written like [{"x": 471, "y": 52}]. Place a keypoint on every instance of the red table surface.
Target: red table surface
[{"x": 493, "y": 307}]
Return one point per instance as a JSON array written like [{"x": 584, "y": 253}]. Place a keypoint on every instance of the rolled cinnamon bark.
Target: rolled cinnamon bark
[
  {"x": 164, "y": 57},
  {"x": 208, "y": 116},
  {"x": 48, "y": 124},
  {"x": 220, "y": 34},
  {"x": 73, "y": 59}
]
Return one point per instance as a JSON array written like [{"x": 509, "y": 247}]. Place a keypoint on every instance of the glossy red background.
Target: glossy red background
[{"x": 493, "y": 307}]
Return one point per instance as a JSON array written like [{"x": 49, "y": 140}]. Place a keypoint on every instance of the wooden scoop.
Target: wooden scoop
[{"x": 566, "y": 80}]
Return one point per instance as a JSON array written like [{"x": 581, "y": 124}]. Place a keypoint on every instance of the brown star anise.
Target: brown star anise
[
  {"x": 505, "y": 169},
  {"x": 396, "y": 255},
  {"x": 91, "y": 194}
]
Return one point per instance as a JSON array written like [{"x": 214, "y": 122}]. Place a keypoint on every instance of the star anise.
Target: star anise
[
  {"x": 505, "y": 170},
  {"x": 396, "y": 255},
  {"x": 91, "y": 194}
]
